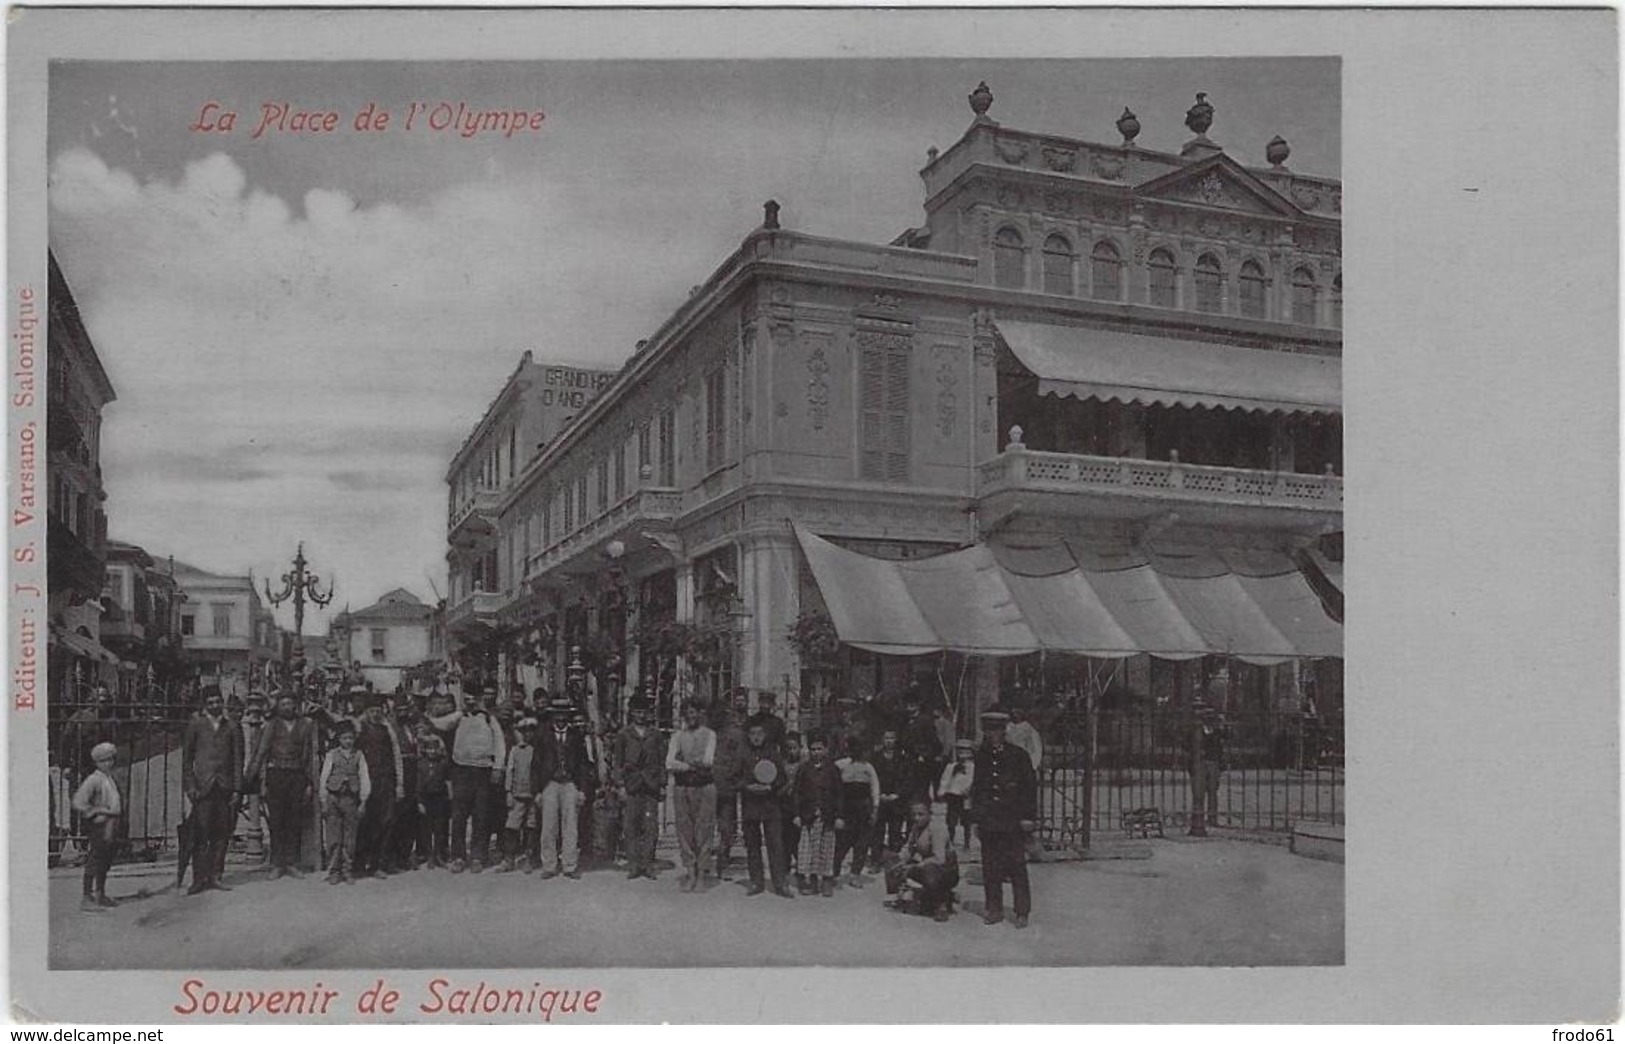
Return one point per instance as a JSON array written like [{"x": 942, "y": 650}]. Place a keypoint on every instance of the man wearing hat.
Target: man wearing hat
[
  {"x": 100, "y": 805},
  {"x": 479, "y": 753},
  {"x": 381, "y": 747},
  {"x": 1004, "y": 801},
  {"x": 283, "y": 760},
  {"x": 253, "y": 724},
  {"x": 640, "y": 776},
  {"x": 211, "y": 777},
  {"x": 689, "y": 759},
  {"x": 560, "y": 772},
  {"x": 776, "y": 728}
]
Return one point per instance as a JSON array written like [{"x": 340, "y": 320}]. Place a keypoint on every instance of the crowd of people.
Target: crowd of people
[{"x": 474, "y": 783}]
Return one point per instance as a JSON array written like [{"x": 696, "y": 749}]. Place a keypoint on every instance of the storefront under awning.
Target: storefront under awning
[
  {"x": 1162, "y": 371},
  {"x": 1005, "y": 600}
]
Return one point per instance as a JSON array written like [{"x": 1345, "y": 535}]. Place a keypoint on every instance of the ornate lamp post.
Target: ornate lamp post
[{"x": 301, "y": 586}]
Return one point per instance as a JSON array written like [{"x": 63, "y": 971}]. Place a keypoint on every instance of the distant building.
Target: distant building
[
  {"x": 387, "y": 638},
  {"x": 141, "y": 622},
  {"x": 76, "y": 534},
  {"x": 227, "y": 634},
  {"x": 537, "y": 402}
]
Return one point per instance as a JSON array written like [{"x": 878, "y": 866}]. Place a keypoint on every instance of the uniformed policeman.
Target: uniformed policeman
[{"x": 1004, "y": 802}]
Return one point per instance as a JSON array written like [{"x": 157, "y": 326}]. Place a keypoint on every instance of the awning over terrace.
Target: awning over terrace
[
  {"x": 1005, "y": 600},
  {"x": 1162, "y": 371}
]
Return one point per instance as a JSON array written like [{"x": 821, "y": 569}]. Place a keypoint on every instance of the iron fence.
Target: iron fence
[{"x": 1132, "y": 771}]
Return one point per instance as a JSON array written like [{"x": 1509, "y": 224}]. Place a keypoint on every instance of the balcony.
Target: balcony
[
  {"x": 479, "y": 607},
  {"x": 477, "y": 515},
  {"x": 1070, "y": 484},
  {"x": 642, "y": 507}
]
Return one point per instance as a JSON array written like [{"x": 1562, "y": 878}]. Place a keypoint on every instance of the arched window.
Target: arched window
[
  {"x": 1252, "y": 290},
  {"x": 1163, "y": 292},
  {"x": 1009, "y": 268},
  {"x": 1106, "y": 272},
  {"x": 1207, "y": 283},
  {"x": 1303, "y": 296},
  {"x": 1337, "y": 301},
  {"x": 1057, "y": 265}
]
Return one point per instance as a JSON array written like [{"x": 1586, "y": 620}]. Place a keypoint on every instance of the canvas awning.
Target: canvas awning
[
  {"x": 1108, "y": 603},
  {"x": 1163, "y": 371},
  {"x": 80, "y": 645}
]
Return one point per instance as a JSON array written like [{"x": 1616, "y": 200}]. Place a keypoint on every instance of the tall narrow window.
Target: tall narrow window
[
  {"x": 603, "y": 484},
  {"x": 380, "y": 643},
  {"x": 883, "y": 446},
  {"x": 619, "y": 469},
  {"x": 581, "y": 499},
  {"x": 513, "y": 450},
  {"x": 667, "y": 458},
  {"x": 569, "y": 509},
  {"x": 1106, "y": 272},
  {"x": 1207, "y": 283},
  {"x": 1057, "y": 265},
  {"x": 1163, "y": 291},
  {"x": 1303, "y": 296},
  {"x": 1009, "y": 262},
  {"x": 221, "y": 617},
  {"x": 716, "y": 418},
  {"x": 645, "y": 458},
  {"x": 547, "y": 518},
  {"x": 1252, "y": 290},
  {"x": 1337, "y": 301}
]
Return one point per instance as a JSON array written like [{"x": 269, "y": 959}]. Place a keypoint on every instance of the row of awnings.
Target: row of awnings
[
  {"x": 1069, "y": 597},
  {"x": 1140, "y": 368}
]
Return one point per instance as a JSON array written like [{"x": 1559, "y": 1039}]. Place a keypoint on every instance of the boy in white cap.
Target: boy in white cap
[{"x": 99, "y": 805}]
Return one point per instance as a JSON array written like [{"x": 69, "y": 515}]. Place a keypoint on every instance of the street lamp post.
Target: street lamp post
[{"x": 300, "y": 585}]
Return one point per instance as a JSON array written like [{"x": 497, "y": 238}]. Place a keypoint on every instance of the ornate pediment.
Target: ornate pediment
[{"x": 1218, "y": 182}]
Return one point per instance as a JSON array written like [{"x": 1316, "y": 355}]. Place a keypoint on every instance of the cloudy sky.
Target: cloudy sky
[{"x": 302, "y": 328}]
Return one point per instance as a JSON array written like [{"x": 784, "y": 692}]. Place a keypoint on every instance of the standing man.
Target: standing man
[
  {"x": 1004, "y": 803},
  {"x": 479, "y": 753},
  {"x": 776, "y": 728},
  {"x": 282, "y": 760},
  {"x": 560, "y": 776},
  {"x": 376, "y": 740},
  {"x": 211, "y": 775},
  {"x": 729, "y": 775},
  {"x": 253, "y": 724},
  {"x": 640, "y": 775},
  {"x": 689, "y": 758},
  {"x": 896, "y": 772},
  {"x": 765, "y": 782}
]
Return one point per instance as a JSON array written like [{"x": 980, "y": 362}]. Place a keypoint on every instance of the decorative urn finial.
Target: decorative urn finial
[
  {"x": 1277, "y": 151},
  {"x": 981, "y": 99},
  {"x": 1128, "y": 125},
  {"x": 1199, "y": 117},
  {"x": 770, "y": 214}
]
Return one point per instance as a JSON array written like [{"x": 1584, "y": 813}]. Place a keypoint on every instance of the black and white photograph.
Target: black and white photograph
[{"x": 694, "y": 513}]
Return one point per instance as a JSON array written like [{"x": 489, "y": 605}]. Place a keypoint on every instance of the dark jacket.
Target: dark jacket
[
  {"x": 760, "y": 801},
  {"x": 728, "y": 771},
  {"x": 1004, "y": 791},
  {"x": 568, "y": 759},
  {"x": 896, "y": 772},
  {"x": 640, "y": 764},
  {"x": 211, "y": 756},
  {"x": 378, "y": 744},
  {"x": 286, "y": 744},
  {"x": 818, "y": 792}
]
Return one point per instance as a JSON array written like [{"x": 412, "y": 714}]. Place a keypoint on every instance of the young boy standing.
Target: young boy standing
[
  {"x": 954, "y": 786},
  {"x": 433, "y": 797},
  {"x": 764, "y": 781},
  {"x": 818, "y": 812},
  {"x": 521, "y": 822},
  {"x": 100, "y": 806},
  {"x": 345, "y": 788},
  {"x": 860, "y": 796}
]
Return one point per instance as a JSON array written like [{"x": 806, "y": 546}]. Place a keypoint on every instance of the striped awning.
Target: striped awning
[
  {"x": 1163, "y": 371},
  {"x": 1010, "y": 601}
]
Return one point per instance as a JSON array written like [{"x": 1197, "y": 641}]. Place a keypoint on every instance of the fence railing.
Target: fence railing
[{"x": 1272, "y": 772}]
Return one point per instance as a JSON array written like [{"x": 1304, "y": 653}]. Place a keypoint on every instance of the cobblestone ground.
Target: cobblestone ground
[{"x": 1217, "y": 901}]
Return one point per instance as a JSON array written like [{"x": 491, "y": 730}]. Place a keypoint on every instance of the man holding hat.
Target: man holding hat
[
  {"x": 211, "y": 777},
  {"x": 479, "y": 752},
  {"x": 1004, "y": 803},
  {"x": 560, "y": 773},
  {"x": 765, "y": 701},
  {"x": 640, "y": 775}
]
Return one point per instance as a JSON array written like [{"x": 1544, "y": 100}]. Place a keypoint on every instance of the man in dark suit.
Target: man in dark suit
[
  {"x": 212, "y": 776},
  {"x": 561, "y": 774},
  {"x": 1004, "y": 804},
  {"x": 640, "y": 773}
]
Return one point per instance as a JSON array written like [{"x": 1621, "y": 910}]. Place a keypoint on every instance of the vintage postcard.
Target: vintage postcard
[{"x": 532, "y": 516}]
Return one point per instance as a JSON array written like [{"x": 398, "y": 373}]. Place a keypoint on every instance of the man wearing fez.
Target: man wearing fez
[
  {"x": 561, "y": 774},
  {"x": 640, "y": 776},
  {"x": 211, "y": 776},
  {"x": 379, "y": 745},
  {"x": 283, "y": 761},
  {"x": 479, "y": 752},
  {"x": 1004, "y": 804}
]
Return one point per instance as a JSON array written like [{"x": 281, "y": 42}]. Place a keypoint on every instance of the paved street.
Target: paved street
[{"x": 1218, "y": 901}]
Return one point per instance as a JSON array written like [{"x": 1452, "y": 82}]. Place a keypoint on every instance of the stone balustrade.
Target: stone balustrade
[
  {"x": 644, "y": 505},
  {"x": 1023, "y": 469},
  {"x": 484, "y": 501}
]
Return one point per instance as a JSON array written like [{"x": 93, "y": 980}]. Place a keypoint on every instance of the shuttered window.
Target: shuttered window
[
  {"x": 668, "y": 448},
  {"x": 883, "y": 451},
  {"x": 716, "y": 419}
]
